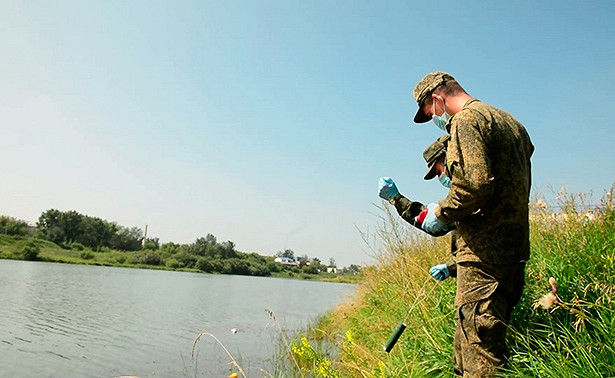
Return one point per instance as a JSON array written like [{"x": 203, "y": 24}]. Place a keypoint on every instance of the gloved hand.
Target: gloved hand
[
  {"x": 431, "y": 224},
  {"x": 439, "y": 272},
  {"x": 387, "y": 188}
]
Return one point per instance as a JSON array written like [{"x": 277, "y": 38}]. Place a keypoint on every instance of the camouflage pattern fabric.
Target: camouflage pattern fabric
[
  {"x": 486, "y": 296},
  {"x": 408, "y": 209},
  {"x": 489, "y": 159},
  {"x": 424, "y": 88},
  {"x": 432, "y": 153}
]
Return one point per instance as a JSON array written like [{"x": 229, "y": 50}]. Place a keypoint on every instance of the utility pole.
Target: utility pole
[{"x": 144, "y": 237}]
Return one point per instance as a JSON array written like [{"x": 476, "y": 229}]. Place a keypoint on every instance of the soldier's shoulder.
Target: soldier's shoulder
[
  {"x": 476, "y": 106},
  {"x": 471, "y": 112},
  {"x": 478, "y": 112}
]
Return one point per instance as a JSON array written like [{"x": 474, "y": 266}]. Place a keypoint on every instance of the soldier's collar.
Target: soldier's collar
[{"x": 470, "y": 101}]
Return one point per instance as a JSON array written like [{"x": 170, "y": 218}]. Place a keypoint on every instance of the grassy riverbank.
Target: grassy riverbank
[
  {"x": 567, "y": 334},
  {"x": 30, "y": 248},
  {"x": 19, "y": 248}
]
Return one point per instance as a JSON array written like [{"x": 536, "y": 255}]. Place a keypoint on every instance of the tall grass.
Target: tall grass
[
  {"x": 573, "y": 336},
  {"x": 576, "y": 335}
]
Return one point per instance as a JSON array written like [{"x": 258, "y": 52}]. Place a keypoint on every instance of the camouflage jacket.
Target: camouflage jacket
[
  {"x": 489, "y": 158},
  {"x": 408, "y": 210}
]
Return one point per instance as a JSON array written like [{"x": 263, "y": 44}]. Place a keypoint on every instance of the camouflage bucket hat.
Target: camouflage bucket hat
[
  {"x": 427, "y": 84},
  {"x": 433, "y": 152}
]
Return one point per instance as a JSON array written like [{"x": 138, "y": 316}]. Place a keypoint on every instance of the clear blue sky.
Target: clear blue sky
[{"x": 268, "y": 123}]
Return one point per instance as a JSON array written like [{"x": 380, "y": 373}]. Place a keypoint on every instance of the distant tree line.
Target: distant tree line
[
  {"x": 94, "y": 236},
  {"x": 66, "y": 228},
  {"x": 13, "y": 226}
]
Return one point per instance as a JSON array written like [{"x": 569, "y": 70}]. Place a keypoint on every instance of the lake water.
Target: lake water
[{"x": 59, "y": 320}]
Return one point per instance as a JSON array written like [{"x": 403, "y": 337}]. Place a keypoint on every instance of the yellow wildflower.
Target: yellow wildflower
[{"x": 349, "y": 335}]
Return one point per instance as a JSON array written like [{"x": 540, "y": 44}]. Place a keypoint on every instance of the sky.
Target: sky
[{"x": 268, "y": 123}]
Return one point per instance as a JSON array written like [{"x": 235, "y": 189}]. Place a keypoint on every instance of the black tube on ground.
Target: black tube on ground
[{"x": 394, "y": 337}]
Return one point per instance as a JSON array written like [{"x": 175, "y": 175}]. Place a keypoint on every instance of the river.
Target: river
[{"x": 61, "y": 320}]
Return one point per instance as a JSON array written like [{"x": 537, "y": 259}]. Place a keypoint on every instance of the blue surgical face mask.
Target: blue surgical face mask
[
  {"x": 442, "y": 120},
  {"x": 444, "y": 180}
]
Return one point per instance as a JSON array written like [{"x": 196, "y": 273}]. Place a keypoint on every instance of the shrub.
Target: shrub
[
  {"x": 77, "y": 246},
  {"x": 274, "y": 267},
  {"x": 173, "y": 263},
  {"x": 131, "y": 258},
  {"x": 185, "y": 259},
  {"x": 86, "y": 255},
  {"x": 203, "y": 264},
  {"x": 227, "y": 267},
  {"x": 30, "y": 251},
  {"x": 151, "y": 258},
  {"x": 239, "y": 267},
  {"x": 120, "y": 258},
  {"x": 258, "y": 270}
]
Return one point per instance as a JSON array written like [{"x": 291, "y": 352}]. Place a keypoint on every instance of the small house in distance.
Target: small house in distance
[{"x": 286, "y": 261}]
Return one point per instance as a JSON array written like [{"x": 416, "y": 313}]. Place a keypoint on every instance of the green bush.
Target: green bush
[
  {"x": 274, "y": 267},
  {"x": 120, "y": 257},
  {"x": 86, "y": 255},
  {"x": 227, "y": 267},
  {"x": 151, "y": 258},
  {"x": 258, "y": 270},
  {"x": 173, "y": 263},
  {"x": 30, "y": 251},
  {"x": 204, "y": 264},
  {"x": 131, "y": 258},
  {"x": 185, "y": 259},
  {"x": 77, "y": 246}
]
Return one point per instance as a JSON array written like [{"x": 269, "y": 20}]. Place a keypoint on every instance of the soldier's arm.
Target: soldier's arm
[
  {"x": 407, "y": 209},
  {"x": 468, "y": 158}
]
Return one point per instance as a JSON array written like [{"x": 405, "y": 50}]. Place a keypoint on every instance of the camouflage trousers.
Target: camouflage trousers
[{"x": 486, "y": 296}]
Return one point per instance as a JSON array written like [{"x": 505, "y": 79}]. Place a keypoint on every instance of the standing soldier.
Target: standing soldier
[{"x": 488, "y": 158}]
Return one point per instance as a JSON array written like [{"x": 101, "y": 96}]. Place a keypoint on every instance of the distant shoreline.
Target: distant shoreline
[{"x": 33, "y": 249}]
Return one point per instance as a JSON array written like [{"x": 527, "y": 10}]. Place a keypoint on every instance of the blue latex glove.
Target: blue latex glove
[
  {"x": 439, "y": 272},
  {"x": 387, "y": 188},
  {"x": 433, "y": 225}
]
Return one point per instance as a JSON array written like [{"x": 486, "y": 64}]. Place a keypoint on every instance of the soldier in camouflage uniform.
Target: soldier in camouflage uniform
[
  {"x": 488, "y": 157},
  {"x": 435, "y": 157}
]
